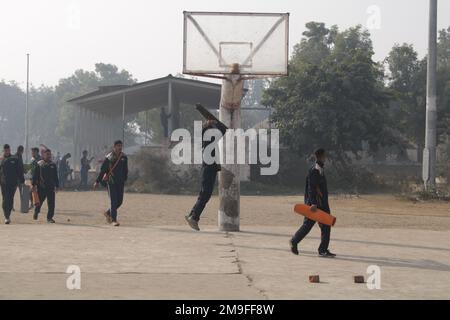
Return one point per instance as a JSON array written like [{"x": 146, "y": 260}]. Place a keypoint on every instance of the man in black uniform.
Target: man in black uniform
[
  {"x": 45, "y": 180},
  {"x": 316, "y": 195},
  {"x": 11, "y": 174},
  {"x": 113, "y": 174},
  {"x": 19, "y": 156},
  {"x": 84, "y": 169},
  {"x": 209, "y": 175}
]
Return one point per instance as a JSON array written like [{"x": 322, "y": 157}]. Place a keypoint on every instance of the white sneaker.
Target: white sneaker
[{"x": 7, "y": 221}]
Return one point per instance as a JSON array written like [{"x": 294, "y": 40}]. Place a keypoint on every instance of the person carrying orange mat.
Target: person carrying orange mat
[{"x": 316, "y": 196}]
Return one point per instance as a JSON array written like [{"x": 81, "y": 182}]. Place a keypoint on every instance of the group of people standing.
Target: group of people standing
[{"x": 45, "y": 179}]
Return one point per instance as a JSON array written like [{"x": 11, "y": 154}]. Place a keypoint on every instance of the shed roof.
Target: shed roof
[{"x": 150, "y": 94}]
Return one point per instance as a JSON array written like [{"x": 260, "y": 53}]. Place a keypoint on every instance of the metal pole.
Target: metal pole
[
  {"x": 171, "y": 123},
  {"x": 229, "y": 176},
  {"x": 26, "y": 108},
  {"x": 123, "y": 118},
  {"x": 146, "y": 128},
  {"x": 429, "y": 153}
]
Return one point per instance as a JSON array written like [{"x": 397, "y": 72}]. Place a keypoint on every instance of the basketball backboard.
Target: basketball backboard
[{"x": 215, "y": 41}]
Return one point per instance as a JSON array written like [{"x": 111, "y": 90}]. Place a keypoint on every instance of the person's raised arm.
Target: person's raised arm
[{"x": 222, "y": 128}]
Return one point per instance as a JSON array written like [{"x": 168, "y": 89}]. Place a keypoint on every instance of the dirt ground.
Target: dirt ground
[
  {"x": 154, "y": 255},
  {"x": 367, "y": 211}
]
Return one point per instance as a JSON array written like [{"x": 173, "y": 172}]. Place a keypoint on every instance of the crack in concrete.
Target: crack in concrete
[{"x": 250, "y": 280}]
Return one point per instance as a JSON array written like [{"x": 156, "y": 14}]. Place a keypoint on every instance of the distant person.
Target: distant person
[
  {"x": 19, "y": 156},
  {"x": 84, "y": 169},
  {"x": 58, "y": 160},
  {"x": 11, "y": 174},
  {"x": 316, "y": 196},
  {"x": 209, "y": 175},
  {"x": 113, "y": 175},
  {"x": 164, "y": 118},
  {"x": 42, "y": 149},
  {"x": 64, "y": 169},
  {"x": 35, "y": 158},
  {"x": 46, "y": 183}
]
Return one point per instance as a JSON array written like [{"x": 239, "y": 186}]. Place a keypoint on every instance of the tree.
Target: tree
[
  {"x": 336, "y": 102},
  {"x": 43, "y": 117},
  {"x": 316, "y": 44},
  {"x": 407, "y": 82},
  {"x": 12, "y": 114},
  {"x": 443, "y": 84},
  {"x": 82, "y": 82}
]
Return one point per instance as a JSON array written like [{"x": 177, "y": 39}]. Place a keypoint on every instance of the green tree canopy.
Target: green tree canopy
[
  {"x": 82, "y": 82},
  {"x": 12, "y": 114},
  {"x": 407, "y": 81},
  {"x": 338, "y": 101}
]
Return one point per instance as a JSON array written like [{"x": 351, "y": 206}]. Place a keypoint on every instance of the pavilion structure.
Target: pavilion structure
[{"x": 100, "y": 116}]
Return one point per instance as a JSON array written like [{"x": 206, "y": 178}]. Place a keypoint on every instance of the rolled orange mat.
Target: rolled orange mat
[{"x": 318, "y": 215}]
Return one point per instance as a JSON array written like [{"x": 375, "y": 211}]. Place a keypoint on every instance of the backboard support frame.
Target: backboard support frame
[{"x": 223, "y": 74}]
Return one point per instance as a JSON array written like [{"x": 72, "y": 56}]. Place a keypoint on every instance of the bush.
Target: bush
[{"x": 155, "y": 173}]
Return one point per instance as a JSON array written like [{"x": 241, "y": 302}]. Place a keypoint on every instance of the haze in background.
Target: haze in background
[{"x": 145, "y": 37}]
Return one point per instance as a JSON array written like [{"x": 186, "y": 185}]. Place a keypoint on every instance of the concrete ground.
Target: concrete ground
[{"x": 169, "y": 261}]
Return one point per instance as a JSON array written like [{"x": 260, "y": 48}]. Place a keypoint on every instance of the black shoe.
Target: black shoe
[
  {"x": 50, "y": 221},
  {"x": 108, "y": 217},
  {"x": 192, "y": 222},
  {"x": 326, "y": 254},
  {"x": 35, "y": 216},
  {"x": 294, "y": 248}
]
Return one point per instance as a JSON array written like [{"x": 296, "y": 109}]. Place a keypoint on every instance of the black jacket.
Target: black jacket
[
  {"x": 11, "y": 171},
  {"x": 119, "y": 174},
  {"x": 45, "y": 175},
  {"x": 18, "y": 156},
  {"x": 223, "y": 129},
  {"x": 316, "y": 189}
]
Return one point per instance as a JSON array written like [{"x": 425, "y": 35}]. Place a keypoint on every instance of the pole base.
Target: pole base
[
  {"x": 229, "y": 228},
  {"x": 227, "y": 223}
]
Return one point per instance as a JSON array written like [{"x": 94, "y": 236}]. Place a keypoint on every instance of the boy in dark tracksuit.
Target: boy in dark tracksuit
[
  {"x": 209, "y": 175},
  {"x": 316, "y": 195},
  {"x": 113, "y": 174},
  {"x": 11, "y": 174},
  {"x": 45, "y": 180}
]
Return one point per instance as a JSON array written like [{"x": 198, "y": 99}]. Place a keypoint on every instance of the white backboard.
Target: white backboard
[{"x": 257, "y": 42}]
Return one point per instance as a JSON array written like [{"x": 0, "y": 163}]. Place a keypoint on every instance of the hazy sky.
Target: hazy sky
[{"x": 145, "y": 37}]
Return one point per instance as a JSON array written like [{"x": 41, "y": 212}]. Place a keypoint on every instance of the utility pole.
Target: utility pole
[
  {"x": 123, "y": 117},
  {"x": 429, "y": 152},
  {"x": 26, "y": 108}
]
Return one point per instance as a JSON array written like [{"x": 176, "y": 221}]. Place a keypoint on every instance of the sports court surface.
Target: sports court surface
[{"x": 154, "y": 255}]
